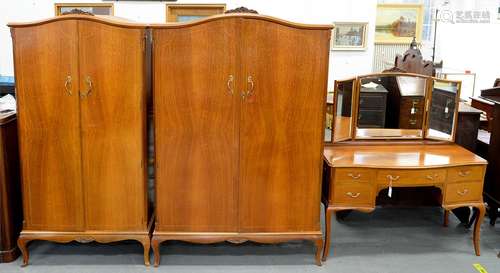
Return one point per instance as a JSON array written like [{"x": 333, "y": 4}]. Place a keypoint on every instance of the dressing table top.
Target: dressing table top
[{"x": 405, "y": 156}]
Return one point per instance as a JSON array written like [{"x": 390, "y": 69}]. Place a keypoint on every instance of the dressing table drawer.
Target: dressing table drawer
[
  {"x": 465, "y": 173},
  {"x": 352, "y": 194},
  {"x": 463, "y": 192},
  {"x": 353, "y": 175},
  {"x": 411, "y": 177}
]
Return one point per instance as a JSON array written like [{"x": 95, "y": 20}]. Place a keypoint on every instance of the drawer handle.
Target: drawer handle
[
  {"x": 463, "y": 173},
  {"x": 392, "y": 178},
  {"x": 462, "y": 193},
  {"x": 353, "y": 195},
  {"x": 354, "y": 176},
  {"x": 432, "y": 177}
]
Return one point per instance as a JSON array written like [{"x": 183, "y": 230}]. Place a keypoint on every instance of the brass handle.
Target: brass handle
[
  {"x": 392, "y": 178},
  {"x": 462, "y": 193},
  {"x": 463, "y": 173},
  {"x": 353, "y": 195},
  {"x": 68, "y": 85},
  {"x": 413, "y": 121},
  {"x": 87, "y": 92},
  {"x": 357, "y": 176},
  {"x": 432, "y": 177},
  {"x": 230, "y": 84},
  {"x": 249, "y": 91}
]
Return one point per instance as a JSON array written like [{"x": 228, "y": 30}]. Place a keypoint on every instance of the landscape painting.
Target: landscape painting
[
  {"x": 349, "y": 36},
  {"x": 398, "y": 23}
]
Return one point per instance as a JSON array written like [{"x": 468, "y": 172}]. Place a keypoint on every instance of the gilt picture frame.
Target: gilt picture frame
[
  {"x": 189, "y": 12},
  {"x": 349, "y": 36},
  {"x": 398, "y": 23},
  {"x": 93, "y": 8}
]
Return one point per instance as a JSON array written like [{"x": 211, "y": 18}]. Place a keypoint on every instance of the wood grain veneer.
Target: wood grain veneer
[
  {"x": 239, "y": 129},
  {"x": 82, "y": 130}
]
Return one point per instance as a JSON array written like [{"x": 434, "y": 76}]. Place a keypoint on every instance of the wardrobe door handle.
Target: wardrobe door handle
[
  {"x": 87, "y": 92},
  {"x": 250, "y": 86},
  {"x": 230, "y": 84},
  {"x": 68, "y": 85}
]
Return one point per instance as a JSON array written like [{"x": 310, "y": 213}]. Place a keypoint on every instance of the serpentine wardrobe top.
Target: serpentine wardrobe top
[{"x": 120, "y": 22}]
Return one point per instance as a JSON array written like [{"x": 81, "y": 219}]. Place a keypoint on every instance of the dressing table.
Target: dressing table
[{"x": 414, "y": 148}]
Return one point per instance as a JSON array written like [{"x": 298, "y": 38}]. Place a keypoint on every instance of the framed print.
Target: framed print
[
  {"x": 398, "y": 23},
  {"x": 94, "y": 8},
  {"x": 189, "y": 12},
  {"x": 349, "y": 36}
]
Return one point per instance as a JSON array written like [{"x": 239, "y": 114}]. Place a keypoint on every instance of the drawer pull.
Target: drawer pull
[
  {"x": 392, "y": 178},
  {"x": 353, "y": 195},
  {"x": 462, "y": 193},
  {"x": 432, "y": 177},
  {"x": 354, "y": 176},
  {"x": 463, "y": 173}
]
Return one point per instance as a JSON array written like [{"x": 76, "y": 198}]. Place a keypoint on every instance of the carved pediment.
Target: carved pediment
[{"x": 241, "y": 10}]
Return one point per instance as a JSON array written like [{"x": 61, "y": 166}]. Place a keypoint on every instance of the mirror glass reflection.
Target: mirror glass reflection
[
  {"x": 443, "y": 109},
  {"x": 391, "y": 106},
  {"x": 343, "y": 110},
  {"x": 329, "y": 118}
]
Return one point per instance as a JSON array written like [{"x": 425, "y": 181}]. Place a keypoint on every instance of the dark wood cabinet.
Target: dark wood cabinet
[
  {"x": 372, "y": 107},
  {"x": 442, "y": 109},
  {"x": 82, "y": 130},
  {"x": 467, "y": 126},
  {"x": 10, "y": 189},
  {"x": 413, "y": 117},
  {"x": 239, "y": 130}
]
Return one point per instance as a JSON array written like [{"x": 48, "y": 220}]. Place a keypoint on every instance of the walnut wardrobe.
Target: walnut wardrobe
[
  {"x": 238, "y": 115},
  {"x": 81, "y": 94}
]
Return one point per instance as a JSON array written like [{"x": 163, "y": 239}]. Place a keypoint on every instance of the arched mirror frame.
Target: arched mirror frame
[
  {"x": 405, "y": 133},
  {"x": 429, "y": 86}
]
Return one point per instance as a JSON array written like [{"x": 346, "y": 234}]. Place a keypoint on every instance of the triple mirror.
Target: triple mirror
[{"x": 392, "y": 106}]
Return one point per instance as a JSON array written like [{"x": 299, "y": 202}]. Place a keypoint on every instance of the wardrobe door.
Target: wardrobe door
[
  {"x": 113, "y": 113},
  {"x": 282, "y": 121},
  {"x": 196, "y": 129},
  {"x": 46, "y": 69}
]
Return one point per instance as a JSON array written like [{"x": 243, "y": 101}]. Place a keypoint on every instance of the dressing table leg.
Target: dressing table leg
[
  {"x": 446, "y": 217},
  {"x": 477, "y": 227},
  {"x": 328, "y": 232}
]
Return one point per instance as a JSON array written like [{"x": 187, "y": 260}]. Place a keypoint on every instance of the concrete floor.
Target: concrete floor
[{"x": 385, "y": 241}]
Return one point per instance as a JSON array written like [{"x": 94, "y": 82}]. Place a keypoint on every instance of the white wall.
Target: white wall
[
  {"x": 342, "y": 63},
  {"x": 471, "y": 46}
]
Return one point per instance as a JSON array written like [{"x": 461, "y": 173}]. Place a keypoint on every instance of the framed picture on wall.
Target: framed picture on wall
[
  {"x": 94, "y": 8},
  {"x": 398, "y": 23},
  {"x": 189, "y": 12},
  {"x": 349, "y": 36}
]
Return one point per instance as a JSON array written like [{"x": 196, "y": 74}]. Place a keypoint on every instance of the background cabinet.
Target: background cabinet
[
  {"x": 10, "y": 190},
  {"x": 238, "y": 129},
  {"x": 82, "y": 127}
]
